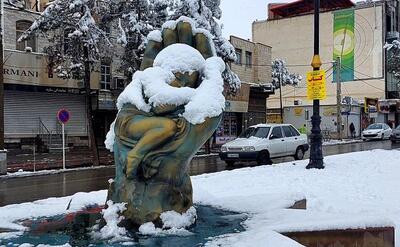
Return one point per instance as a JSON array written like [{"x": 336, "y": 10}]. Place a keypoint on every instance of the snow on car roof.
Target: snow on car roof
[{"x": 268, "y": 125}]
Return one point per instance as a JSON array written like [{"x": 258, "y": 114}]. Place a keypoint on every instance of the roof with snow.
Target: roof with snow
[{"x": 301, "y": 7}]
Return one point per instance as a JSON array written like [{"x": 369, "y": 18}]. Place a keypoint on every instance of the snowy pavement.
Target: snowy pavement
[
  {"x": 340, "y": 142},
  {"x": 355, "y": 190}
]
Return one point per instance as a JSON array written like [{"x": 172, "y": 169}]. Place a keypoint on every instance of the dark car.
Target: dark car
[{"x": 395, "y": 135}]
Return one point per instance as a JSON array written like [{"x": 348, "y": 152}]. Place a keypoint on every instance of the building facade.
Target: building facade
[
  {"x": 248, "y": 106},
  {"x": 34, "y": 94},
  {"x": 368, "y": 25}
]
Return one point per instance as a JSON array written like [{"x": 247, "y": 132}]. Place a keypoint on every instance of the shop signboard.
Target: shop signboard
[
  {"x": 316, "y": 85},
  {"x": 240, "y": 101},
  {"x": 370, "y": 105},
  {"x": 298, "y": 111},
  {"x": 384, "y": 106}
]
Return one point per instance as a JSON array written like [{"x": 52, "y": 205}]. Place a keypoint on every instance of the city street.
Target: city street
[{"x": 25, "y": 189}]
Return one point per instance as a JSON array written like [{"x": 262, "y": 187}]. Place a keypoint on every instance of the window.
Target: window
[
  {"x": 287, "y": 131},
  {"x": 119, "y": 83},
  {"x": 21, "y": 27},
  {"x": 238, "y": 56},
  {"x": 295, "y": 132},
  {"x": 105, "y": 75},
  {"x": 249, "y": 59},
  {"x": 261, "y": 132},
  {"x": 277, "y": 132}
]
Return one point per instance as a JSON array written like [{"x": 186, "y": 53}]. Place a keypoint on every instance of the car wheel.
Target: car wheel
[
  {"x": 263, "y": 158},
  {"x": 299, "y": 155},
  {"x": 229, "y": 163}
]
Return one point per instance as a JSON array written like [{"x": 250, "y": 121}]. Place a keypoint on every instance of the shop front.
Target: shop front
[
  {"x": 389, "y": 110},
  {"x": 30, "y": 110},
  {"x": 232, "y": 123}
]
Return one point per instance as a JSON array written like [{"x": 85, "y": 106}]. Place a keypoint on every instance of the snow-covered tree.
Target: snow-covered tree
[
  {"x": 281, "y": 75},
  {"x": 134, "y": 19},
  {"x": 75, "y": 37},
  {"x": 393, "y": 58},
  {"x": 76, "y": 43},
  {"x": 206, "y": 13}
]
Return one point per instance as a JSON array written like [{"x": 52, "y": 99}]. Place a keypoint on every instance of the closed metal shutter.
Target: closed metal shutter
[{"x": 23, "y": 109}]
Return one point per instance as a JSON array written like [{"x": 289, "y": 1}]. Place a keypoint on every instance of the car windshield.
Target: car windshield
[
  {"x": 260, "y": 132},
  {"x": 398, "y": 127},
  {"x": 375, "y": 127}
]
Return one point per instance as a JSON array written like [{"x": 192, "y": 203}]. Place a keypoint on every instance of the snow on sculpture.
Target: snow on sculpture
[{"x": 171, "y": 107}]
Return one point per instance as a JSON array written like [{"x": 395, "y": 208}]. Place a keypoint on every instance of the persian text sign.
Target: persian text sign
[{"x": 316, "y": 85}]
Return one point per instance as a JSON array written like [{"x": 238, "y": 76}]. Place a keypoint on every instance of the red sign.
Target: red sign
[{"x": 63, "y": 116}]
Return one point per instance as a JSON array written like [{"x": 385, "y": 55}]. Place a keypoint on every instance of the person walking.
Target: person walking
[
  {"x": 352, "y": 130},
  {"x": 303, "y": 129}
]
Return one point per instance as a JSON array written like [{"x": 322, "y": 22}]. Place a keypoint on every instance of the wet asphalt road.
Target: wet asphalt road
[{"x": 25, "y": 189}]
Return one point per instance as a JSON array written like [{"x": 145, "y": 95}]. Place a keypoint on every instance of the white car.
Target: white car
[
  {"x": 377, "y": 131},
  {"x": 265, "y": 141}
]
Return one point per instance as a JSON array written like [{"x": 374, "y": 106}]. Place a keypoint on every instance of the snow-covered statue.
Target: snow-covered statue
[{"x": 168, "y": 111}]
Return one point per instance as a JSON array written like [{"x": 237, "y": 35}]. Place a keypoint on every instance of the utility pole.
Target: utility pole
[
  {"x": 3, "y": 153},
  {"x": 338, "y": 66},
  {"x": 280, "y": 95},
  {"x": 316, "y": 157}
]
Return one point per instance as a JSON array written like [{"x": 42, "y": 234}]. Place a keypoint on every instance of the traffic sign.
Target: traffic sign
[
  {"x": 63, "y": 116},
  {"x": 316, "y": 85}
]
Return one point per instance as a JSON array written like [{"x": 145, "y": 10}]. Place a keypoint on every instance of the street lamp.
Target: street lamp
[{"x": 316, "y": 157}]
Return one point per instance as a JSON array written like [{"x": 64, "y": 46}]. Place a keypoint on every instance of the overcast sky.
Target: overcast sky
[{"x": 237, "y": 15}]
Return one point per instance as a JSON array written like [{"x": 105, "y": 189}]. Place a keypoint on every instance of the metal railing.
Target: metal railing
[{"x": 44, "y": 133}]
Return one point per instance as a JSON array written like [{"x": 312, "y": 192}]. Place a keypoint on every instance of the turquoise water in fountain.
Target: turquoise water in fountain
[{"x": 211, "y": 222}]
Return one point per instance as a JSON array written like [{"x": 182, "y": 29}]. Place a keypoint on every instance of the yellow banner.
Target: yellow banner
[{"x": 316, "y": 85}]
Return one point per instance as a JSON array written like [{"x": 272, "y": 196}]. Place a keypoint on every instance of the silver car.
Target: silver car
[
  {"x": 377, "y": 131},
  {"x": 395, "y": 135}
]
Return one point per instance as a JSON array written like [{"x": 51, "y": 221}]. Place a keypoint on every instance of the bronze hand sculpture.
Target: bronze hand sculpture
[{"x": 153, "y": 149}]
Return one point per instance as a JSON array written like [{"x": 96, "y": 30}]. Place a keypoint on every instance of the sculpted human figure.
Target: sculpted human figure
[{"x": 172, "y": 106}]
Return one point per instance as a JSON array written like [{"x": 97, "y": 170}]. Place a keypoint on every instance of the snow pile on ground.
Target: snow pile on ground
[
  {"x": 49, "y": 207},
  {"x": 340, "y": 142},
  {"x": 173, "y": 223},
  {"x": 355, "y": 190},
  {"x": 111, "y": 215}
]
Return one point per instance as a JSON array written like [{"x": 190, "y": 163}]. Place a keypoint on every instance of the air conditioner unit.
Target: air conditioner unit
[{"x": 297, "y": 102}]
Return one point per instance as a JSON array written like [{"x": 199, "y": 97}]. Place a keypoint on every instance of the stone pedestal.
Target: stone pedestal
[{"x": 3, "y": 162}]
